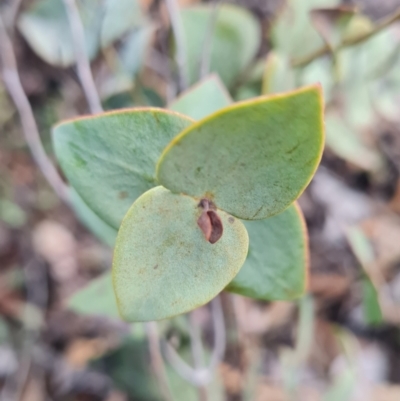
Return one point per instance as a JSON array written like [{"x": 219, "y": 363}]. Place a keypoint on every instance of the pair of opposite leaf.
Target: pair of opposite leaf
[{"x": 181, "y": 242}]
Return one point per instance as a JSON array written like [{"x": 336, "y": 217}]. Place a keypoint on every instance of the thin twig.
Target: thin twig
[
  {"x": 177, "y": 29},
  {"x": 193, "y": 376},
  {"x": 82, "y": 61},
  {"x": 201, "y": 377},
  {"x": 219, "y": 333},
  {"x": 205, "y": 58},
  {"x": 196, "y": 341},
  {"x": 157, "y": 361},
  {"x": 14, "y": 87},
  {"x": 197, "y": 350},
  {"x": 380, "y": 25}
]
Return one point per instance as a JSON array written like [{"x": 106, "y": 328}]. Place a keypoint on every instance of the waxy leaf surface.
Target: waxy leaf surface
[
  {"x": 231, "y": 36},
  {"x": 97, "y": 298},
  {"x": 110, "y": 159},
  {"x": 278, "y": 74},
  {"x": 94, "y": 223},
  {"x": 252, "y": 159},
  {"x": 202, "y": 99},
  {"x": 292, "y": 32},
  {"x": 163, "y": 266},
  {"x": 45, "y": 26},
  {"x": 343, "y": 140},
  {"x": 277, "y": 262}
]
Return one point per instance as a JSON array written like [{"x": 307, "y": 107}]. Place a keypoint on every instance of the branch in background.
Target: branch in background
[
  {"x": 82, "y": 61},
  {"x": 157, "y": 361},
  {"x": 197, "y": 350},
  {"x": 206, "y": 50},
  {"x": 382, "y": 24},
  {"x": 219, "y": 334},
  {"x": 201, "y": 377},
  {"x": 14, "y": 87},
  {"x": 195, "y": 377},
  {"x": 177, "y": 29}
]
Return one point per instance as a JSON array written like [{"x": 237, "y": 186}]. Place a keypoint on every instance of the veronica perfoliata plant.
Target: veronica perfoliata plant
[{"x": 200, "y": 206}]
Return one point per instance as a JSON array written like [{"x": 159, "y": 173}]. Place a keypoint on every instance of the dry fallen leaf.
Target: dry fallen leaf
[{"x": 81, "y": 351}]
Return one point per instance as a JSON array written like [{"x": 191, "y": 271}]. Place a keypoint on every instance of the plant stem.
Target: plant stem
[
  {"x": 206, "y": 49},
  {"x": 177, "y": 29},
  {"x": 14, "y": 87},
  {"x": 157, "y": 361},
  {"x": 380, "y": 25},
  {"x": 197, "y": 350},
  {"x": 219, "y": 333},
  {"x": 182, "y": 368},
  {"x": 82, "y": 61},
  {"x": 201, "y": 377}
]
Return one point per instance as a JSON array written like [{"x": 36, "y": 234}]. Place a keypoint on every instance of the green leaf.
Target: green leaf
[
  {"x": 364, "y": 252},
  {"x": 252, "y": 82},
  {"x": 163, "y": 265},
  {"x": 292, "y": 33},
  {"x": 120, "y": 100},
  {"x": 278, "y": 74},
  {"x": 252, "y": 159},
  {"x": 346, "y": 144},
  {"x": 133, "y": 49},
  {"x": 94, "y": 223},
  {"x": 320, "y": 70},
  {"x": 247, "y": 91},
  {"x": 360, "y": 245},
  {"x": 118, "y": 86},
  {"x": 203, "y": 98},
  {"x": 97, "y": 298},
  {"x": 45, "y": 26},
  {"x": 110, "y": 158},
  {"x": 371, "y": 307},
  {"x": 277, "y": 262},
  {"x": 234, "y": 39},
  {"x": 372, "y": 57}
]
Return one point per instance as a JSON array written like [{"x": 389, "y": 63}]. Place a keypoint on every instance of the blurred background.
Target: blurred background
[{"x": 60, "y": 336}]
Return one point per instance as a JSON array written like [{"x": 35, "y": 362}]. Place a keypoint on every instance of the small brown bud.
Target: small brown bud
[{"x": 209, "y": 222}]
